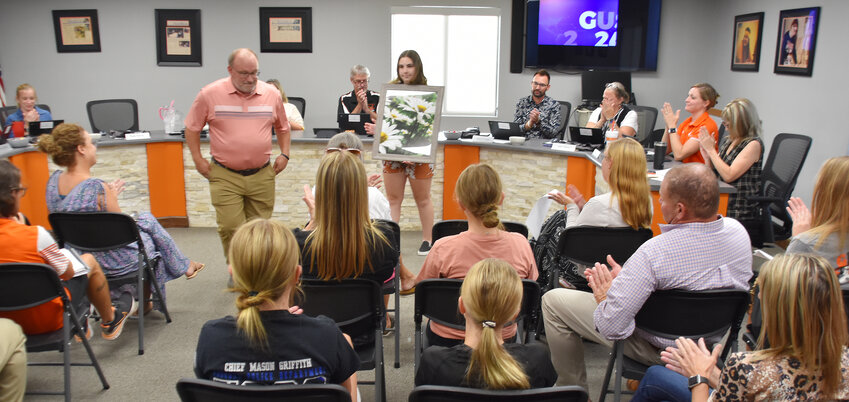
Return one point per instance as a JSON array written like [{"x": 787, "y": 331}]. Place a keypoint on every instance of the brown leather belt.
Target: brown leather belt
[{"x": 246, "y": 172}]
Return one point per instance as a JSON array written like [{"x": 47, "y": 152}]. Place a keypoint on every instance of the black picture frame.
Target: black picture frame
[
  {"x": 178, "y": 37},
  {"x": 76, "y": 31},
  {"x": 744, "y": 56},
  {"x": 285, "y": 29},
  {"x": 795, "y": 54}
]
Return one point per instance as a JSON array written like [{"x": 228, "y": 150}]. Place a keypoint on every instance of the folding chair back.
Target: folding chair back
[
  {"x": 439, "y": 393},
  {"x": 103, "y": 231},
  {"x": 586, "y": 245},
  {"x": 451, "y": 227},
  {"x": 196, "y": 390},
  {"x": 25, "y": 285},
  {"x": 675, "y": 313},
  {"x": 356, "y": 305}
]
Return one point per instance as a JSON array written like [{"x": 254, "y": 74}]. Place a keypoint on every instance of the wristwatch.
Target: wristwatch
[
  {"x": 673, "y": 130},
  {"x": 696, "y": 380}
]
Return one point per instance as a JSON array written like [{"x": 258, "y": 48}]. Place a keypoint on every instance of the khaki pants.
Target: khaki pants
[
  {"x": 13, "y": 361},
  {"x": 568, "y": 317},
  {"x": 238, "y": 199}
]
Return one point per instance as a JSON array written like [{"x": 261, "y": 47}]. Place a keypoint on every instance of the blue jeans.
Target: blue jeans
[{"x": 662, "y": 384}]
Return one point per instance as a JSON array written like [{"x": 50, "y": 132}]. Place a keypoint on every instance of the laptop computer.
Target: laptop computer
[
  {"x": 354, "y": 121},
  {"x": 37, "y": 128},
  {"x": 586, "y": 136},
  {"x": 503, "y": 130}
]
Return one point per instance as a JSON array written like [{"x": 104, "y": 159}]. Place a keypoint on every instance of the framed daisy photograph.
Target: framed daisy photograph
[{"x": 407, "y": 123}]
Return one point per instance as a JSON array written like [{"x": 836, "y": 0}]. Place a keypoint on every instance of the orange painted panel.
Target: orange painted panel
[
  {"x": 166, "y": 181},
  {"x": 456, "y": 159},
  {"x": 580, "y": 172},
  {"x": 34, "y": 175}
]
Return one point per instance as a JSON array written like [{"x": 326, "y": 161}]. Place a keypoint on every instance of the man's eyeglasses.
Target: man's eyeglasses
[
  {"x": 360, "y": 82},
  {"x": 23, "y": 190},
  {"x": 247, "y": 74},
  {"x": 539, "y": 84},
  {"x": 354, "y": 151}
]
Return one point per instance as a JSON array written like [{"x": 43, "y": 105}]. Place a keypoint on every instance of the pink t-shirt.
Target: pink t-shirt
[
  {"x": 239, "y": 124},
  {"x": 451, "y": 257}
]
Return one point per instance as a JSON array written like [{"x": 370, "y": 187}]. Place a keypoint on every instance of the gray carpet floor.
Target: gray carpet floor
[{"x": 170, "y": 348}]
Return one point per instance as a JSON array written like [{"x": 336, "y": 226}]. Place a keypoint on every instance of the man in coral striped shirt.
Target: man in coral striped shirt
[{"x": 241, "y": 111}]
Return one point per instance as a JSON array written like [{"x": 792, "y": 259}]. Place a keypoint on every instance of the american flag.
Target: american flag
[{"x": 2, "y": 90}]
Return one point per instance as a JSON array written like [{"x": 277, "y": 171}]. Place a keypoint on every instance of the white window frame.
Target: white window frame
[{"x": 447, "y": 12}]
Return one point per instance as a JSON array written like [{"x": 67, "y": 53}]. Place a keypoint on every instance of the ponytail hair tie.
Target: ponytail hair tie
[
  {"x": 253, "y": 293},
  {"x": 490, "y": 324}
]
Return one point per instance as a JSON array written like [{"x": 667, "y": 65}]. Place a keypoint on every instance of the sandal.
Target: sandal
[
  {"x": 391, "y": 326},
  {"x": 198, "y": 268},
  {"x": 408, "y": 292}
]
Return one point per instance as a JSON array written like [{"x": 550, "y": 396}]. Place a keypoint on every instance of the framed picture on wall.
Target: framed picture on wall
[
  {"x": 797, "y": 40},
  {"x": 408, "y": 123},
  {"x": 285, "y": 29},
  {"x": 178, "y": 39},
  {"x": 76, "y": 31},
  {"x": 746, "y": 54}
]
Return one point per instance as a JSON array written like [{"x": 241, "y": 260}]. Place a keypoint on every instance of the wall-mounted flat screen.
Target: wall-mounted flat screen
[{"x": 617, "y": 35}]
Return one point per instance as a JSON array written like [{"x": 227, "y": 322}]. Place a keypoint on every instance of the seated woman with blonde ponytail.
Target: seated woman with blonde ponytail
[
  {"x": 490, "y": 297},
  {"x": 270, "y": 341},
  {"x": 479, "y": 193}
]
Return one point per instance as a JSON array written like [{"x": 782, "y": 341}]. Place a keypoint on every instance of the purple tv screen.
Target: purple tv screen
[{"x": 578, "y": 22}]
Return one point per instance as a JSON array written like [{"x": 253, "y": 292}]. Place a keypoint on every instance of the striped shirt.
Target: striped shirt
[
  {"x": 239, "y": 124},
  {"x": 689, "y": 256}
]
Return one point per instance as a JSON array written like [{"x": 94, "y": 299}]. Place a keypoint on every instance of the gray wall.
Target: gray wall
[{"x": 690, "y": 51}]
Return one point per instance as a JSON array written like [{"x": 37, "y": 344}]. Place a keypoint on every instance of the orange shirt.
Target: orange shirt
[
  {"x": 239, "y": 125},
  {"x": 690, "y": 129},
  {"x": 20, "y": 244}
]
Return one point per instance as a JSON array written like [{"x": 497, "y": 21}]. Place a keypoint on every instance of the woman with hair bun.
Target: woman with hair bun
[
  {"x": 75, "y": 190},
  {"x": 683, "y": 139},
  {"x": 490, "y": 297},
  {"x": 270, "y": 341},
  {"x": 479, "y": 193}
]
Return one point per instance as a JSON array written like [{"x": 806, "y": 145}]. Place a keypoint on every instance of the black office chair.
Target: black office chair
[
  {"x": 436, "y": 299},
  {"x": 299, "y": 103},
  {"x": 646, "y": 119},
  {"x": 452, "y": 227},
  {"x": 440, "y": 393},
  {"x": 25, "y": 285},
  {"x": 675, "y": 313},
  {"x": 778, "y": 179},
  {"x": 196, "y": 390},
  {"x": 107, "y": 115},
  {"x": 356, "y": 305},
  {"x": 5, "y": 112},
  {"x": 103, "y": 231},
  {"x": 565, "y": 115},
  {"x": 394, "y": 287},
  {"x": 586, "y": 245}
]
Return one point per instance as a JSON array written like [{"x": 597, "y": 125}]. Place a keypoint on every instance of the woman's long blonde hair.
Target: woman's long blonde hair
[
  {"x": 629, "y": 182},
  {"x": 492, "y": 293},
  {"x": 479, "y": 190},
  {"x": 830, "y": 208},
  {"x": 264, "y": 258},
  {"x": 742, "y": 116},
  {"x": 803, "y": 316},
  {"x": 341, "y": 243}
]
